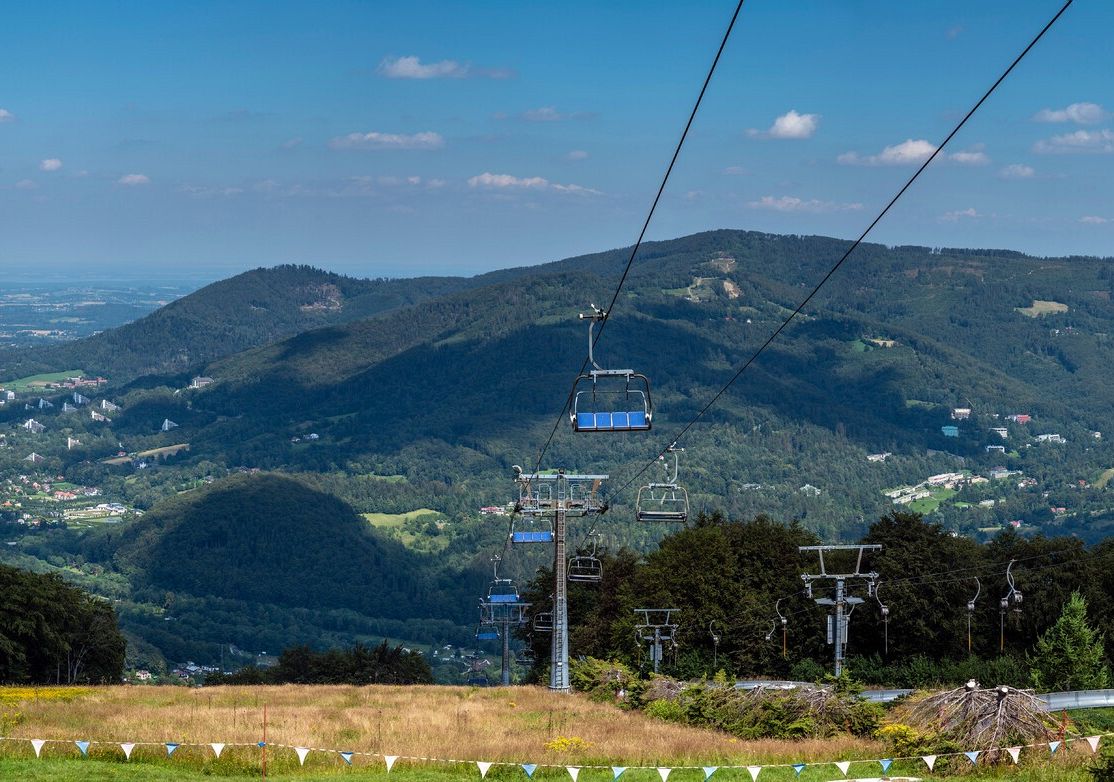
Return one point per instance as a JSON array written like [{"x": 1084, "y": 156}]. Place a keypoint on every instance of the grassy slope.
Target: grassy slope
[{"x": 511, "y": 725}]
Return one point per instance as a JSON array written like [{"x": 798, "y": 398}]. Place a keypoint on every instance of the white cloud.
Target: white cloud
[
  {"x": 414, "y": 68},
  {"x": 489, "y": 181},
  {"x": 131, "y": 180},
  {"x": 735, "y": 171},
  {"x": 544, "y": 114},
  {"x": 50, "y": 164},
  {"x": 969, "y": 157},
  {"x": 577, "y": 154},
  {"x": 26, "y": 184},
  {"x": 908, "y": 152},
  {"x": 373, "y": 140},
  {"x": 6, "y": 116},
  {"x": 1093, "y": 220},
  {"x": 291, "y": 143},
  {"x": 794, "y": 204},
  {"x": 1017, "y": 171},
  {"x": 200, "y": 191},
  {"x": 790, "y": 125},
  {"x": 1079, "y": 113},
  {"x": 1082, "y": 141},
  {"x": 960, "y": 214}
]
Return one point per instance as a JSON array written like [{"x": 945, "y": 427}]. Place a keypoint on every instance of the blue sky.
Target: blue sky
[{"x": 419, "y": 137}]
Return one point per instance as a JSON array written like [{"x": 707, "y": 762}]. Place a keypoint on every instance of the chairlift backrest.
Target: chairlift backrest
[{"x": 609, "y": 400}]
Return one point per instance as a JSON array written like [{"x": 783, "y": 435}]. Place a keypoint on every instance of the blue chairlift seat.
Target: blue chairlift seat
[
  {"x": 487, "y": 633},
  {"x": 530, "y": 536},
  {"x": 611, "y": 401},
  {"x": 502, "y": 591}
]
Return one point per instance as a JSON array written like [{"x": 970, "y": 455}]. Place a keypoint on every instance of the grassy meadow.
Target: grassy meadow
[{"x": 517, "y": 724}]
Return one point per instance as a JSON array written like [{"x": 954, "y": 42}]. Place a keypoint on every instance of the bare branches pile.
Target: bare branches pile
[{"x": 983, "y": 719}]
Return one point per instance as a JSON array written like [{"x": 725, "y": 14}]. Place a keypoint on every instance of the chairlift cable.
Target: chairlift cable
[
  {"x": 885, "y": 210},
  {"x": 645, "y": 226}
]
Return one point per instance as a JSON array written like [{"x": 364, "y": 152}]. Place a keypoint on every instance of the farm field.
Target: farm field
[
  {"x": 510, "y": 726},
  {"x": 25, "y": 384}
]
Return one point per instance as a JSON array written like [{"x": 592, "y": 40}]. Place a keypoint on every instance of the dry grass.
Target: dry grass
[{"x": 512, "y": 724}]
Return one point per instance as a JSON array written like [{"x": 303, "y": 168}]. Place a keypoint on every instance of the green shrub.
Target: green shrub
[{"x": 667, "y": 710}]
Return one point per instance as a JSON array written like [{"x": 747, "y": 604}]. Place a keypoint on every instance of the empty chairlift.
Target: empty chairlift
[
  {"x": 502, "y": 590},
  {"x": 531, "y": 533},
  {"x": 543, "y": 622},
  {"x": 487, "y": 632},
  {"x": 609, "y": 400},
  {"x": 668, "y": 501},
  {"x": 586, "y": 567}
]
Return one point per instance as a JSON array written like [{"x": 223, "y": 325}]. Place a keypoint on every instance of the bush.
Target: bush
[
  {"x": 1103, "y": 770},
  {"x": 667, "y": 710}
]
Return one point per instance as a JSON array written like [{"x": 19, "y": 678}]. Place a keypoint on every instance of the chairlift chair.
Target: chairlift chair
[
  {"x": 502, "y": 590},
  {"x": 609, "y": 400},
  {"x": 543, "y": 622},
  {"x": 586, "y": 567},
  {"x": 531, "y": 534},
  {"x": 667, "y": 501},
  {"x": 487, "y": 632}
]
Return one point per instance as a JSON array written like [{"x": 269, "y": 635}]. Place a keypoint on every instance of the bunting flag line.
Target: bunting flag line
[
  {"x": 973, "y": 755},
  {"x": 1053, "y": 746},
  {"x": 127, "y": 750},
  {"x": 302, "y": 752},
  {"x": 38, "y": 745},
  {"x": 843, "y": 766},
  {"x": 391, "y": 762},
  {"x": 664, "y": 774},
  {"x": 83, "y": 746},
  {"x": 929, "y": 760},
  {"x": 709, "y": 770},
  {"x": 261, "y": 744},
  {"x": 886, "y": 763},
  {"x": 1094, "y": 742},
  {"x": 799, "y": 767},
  {"x": 170, "y": 747},
  {"x": 574, "y": 772},
  {"x": 616, "y": 772},
  {"x": 1014, "y": 752},
  {"x": 346, "y": 757},
  {"x": 217, "y": 748},
  {"x": 754, "y": 770},
  {"x": 484, "y": 767},
  {"x": 529, "y": 768}
]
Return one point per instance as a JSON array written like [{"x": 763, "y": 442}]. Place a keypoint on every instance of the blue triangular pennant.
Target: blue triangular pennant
[
  {"x": 261, "y": 744},
  {"x": 886, "y": 763},
  {"x": 170, "y": 747},
  {"x": 1054, "y": 745},
  {"x": 346, "y": 757},
  {"x": 973, "y": 755},
  {"x": 530, "y": 768},
  {"x": 83, "y": 746},
  {"x": 799, "y": 767},
  {"x": 617, "y": 771},
  {"x": 709, "y": 770}
]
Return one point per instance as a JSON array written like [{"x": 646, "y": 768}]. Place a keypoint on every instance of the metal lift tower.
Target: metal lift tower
[
  {"x": 838, "y": 619},
  {"x": 556, "y": 496},
  {"x": 656, "y": 626}
]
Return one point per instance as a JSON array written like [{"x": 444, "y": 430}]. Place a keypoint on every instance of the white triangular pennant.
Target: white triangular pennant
[
  {"x": 754, "y": 772},
  {"x": 390, "y": 761},
  {"x": 664, "y": 774},
  {"x": 127, "y": 750},
  {"x": 346, "y": 757},
  {"x": 709, "y": 770},
  {"x": 929, "y": 760},
  {"x": 83, "y": 746},
  {"x": 616, "y": 772},
  {"x": 1093, "y": 741},
  {"x": 574, "y": 772},
  {"x": 302, "y": 752},
  {"x": 973, "y": 755},
  {"x": 799, "y": 767},
  {"x": 843, "y": 765},
  {"x": 1053, "y": 746},
  {"x": 217, "y": 749},
  {"x": 529, "y": 768},
  {"x": 1014, "y": 752},
  {"x": 170, "y": 747},
  {"x": 484, "y": 767},
  {"x": 38, "y": 745}
]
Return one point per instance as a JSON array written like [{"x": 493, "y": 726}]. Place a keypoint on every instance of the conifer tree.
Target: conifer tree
[{"x": 1069, "y": 656}]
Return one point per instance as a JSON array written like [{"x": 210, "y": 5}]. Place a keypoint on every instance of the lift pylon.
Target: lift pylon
[
  {"x": 657, "y": 626},
  {"x": 838, "y": 618}
]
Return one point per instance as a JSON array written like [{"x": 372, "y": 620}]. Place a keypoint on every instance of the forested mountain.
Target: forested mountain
[
  {"x": 253, "y": 308},
  {"x": 411, "y": 400}
]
